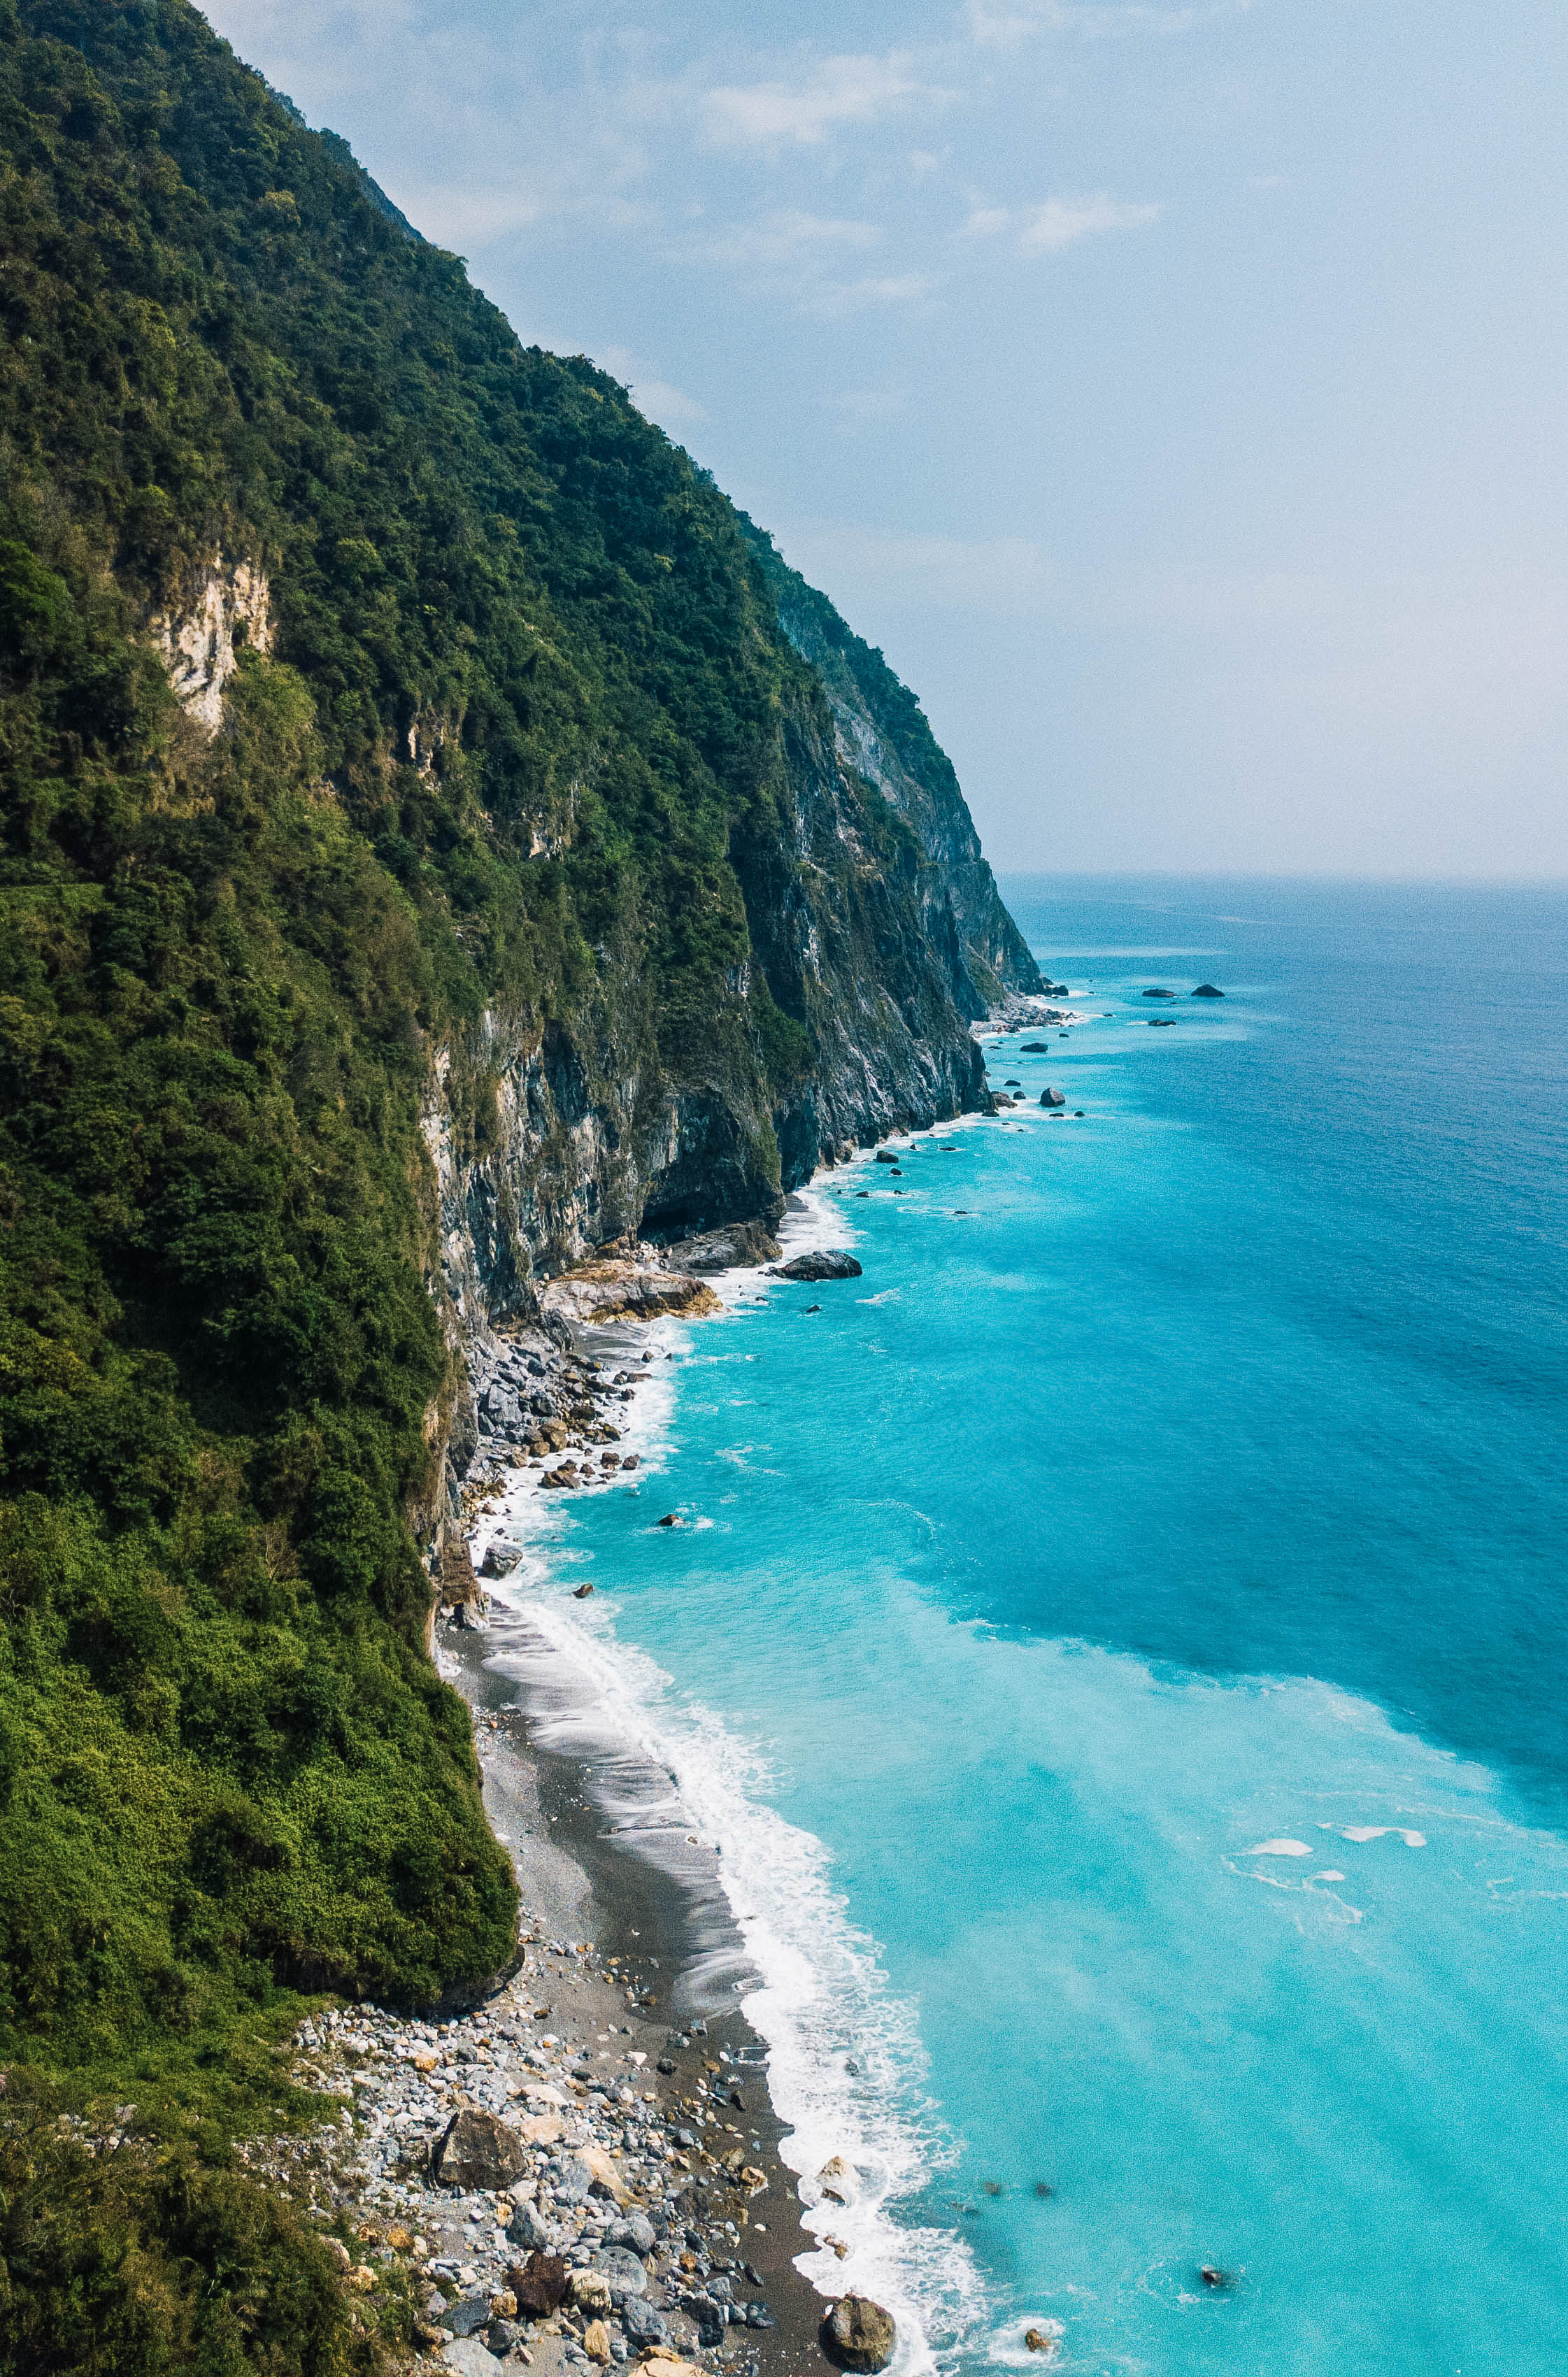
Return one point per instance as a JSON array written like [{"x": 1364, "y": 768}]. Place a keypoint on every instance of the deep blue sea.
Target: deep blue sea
[{"x": 1118, "y": 1645}]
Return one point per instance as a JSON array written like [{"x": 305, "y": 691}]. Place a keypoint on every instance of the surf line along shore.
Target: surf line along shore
[{"x": 642, "y": 2037}]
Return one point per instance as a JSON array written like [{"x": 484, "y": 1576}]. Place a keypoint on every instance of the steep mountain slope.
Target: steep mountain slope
[
  {"x": 399, "y": 757},
  {"x": 882, "y": 736}
]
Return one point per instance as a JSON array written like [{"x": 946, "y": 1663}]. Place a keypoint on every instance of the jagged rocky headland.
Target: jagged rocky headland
[{"x": 458, "y": 882}]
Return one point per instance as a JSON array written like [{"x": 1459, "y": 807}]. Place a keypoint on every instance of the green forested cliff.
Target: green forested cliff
[{"x": 372, "y": 689}]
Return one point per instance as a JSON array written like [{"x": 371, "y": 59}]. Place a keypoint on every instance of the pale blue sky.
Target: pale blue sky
[{"x": 1174, "y": 392}]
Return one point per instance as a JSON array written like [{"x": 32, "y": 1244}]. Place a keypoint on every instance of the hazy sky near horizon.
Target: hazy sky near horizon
[{"x": 1175, "y": 391}]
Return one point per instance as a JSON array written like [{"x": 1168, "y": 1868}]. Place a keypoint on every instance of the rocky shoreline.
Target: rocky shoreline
[
  {"x": 569, "y": 2172},
  {"x": 577, "y": 2169}
]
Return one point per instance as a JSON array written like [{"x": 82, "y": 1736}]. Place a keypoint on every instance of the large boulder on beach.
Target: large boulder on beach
[
  {"x": 822, "y": 1263},
  {"x": 858, "y": 2335},
  {"x": 477, "y": 2151},
  {"x": 471, "y": 2359},
  {"x": 621, "y": 2268},
  {"x": 540, "y": 2285}
]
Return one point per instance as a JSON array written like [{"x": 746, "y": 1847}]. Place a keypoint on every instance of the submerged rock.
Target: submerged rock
[
  {"x": 825, "y": 1262},
  {"x": 858, "y": 2335}
]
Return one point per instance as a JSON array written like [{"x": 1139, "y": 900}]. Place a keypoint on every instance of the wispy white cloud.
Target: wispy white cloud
[
  {"x": 786, "y": 235},
  {"x": 861, "y": 404},
  {"x": 835, "y": 92},
  {"x": 661, "y": 402},
  {"x": 833, "y": 299},
  {"x": 1059, "y": 224},
  {"x": 1063, "y": 222},
  {"x": 1001, "y": 576},
  {"x": 1003, "y": 27}
]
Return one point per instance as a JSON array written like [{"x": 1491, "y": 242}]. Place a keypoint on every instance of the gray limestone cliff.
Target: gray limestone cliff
[{"x": 882, "y": 733}]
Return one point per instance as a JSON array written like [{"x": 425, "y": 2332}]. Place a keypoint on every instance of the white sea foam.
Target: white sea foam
[{"x": 846, "y": 2072}]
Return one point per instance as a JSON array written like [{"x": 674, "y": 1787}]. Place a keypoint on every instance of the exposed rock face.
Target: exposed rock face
[
  {"x": 477, "y": 2150},
  {"x": 225, "y": 608},
  {"x": 623, "y": 1290},
  {"x": 859, "y": 2334},
  {"x": 882, "y": 734}
]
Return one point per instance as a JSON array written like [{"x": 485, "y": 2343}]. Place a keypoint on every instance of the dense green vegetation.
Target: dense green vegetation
[{"x": 524, "y": 704}]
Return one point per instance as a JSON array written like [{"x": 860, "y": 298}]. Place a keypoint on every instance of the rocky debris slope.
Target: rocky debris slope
[{"x": 555, "y": 2196}]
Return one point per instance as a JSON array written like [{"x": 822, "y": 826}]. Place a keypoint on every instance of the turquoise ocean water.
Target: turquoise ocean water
[{"x": 1118, "y": 1645}]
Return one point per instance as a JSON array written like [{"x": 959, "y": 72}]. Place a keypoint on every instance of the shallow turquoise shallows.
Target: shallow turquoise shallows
[{"x": 1148, "y": 1585}]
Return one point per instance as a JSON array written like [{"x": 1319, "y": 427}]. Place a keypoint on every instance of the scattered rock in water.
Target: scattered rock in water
[
  {"x": 630, "y": 1460},
  {"x": 813, "y": 1307},
  {"x": 822, "y": 1263},
  {"x": 478, "y": 2151},
  {"x": 1052, "y": 1098},
  {"x": 884, "y": 1156},
  {"x": 1036, "y": 2340},
  {"x": 1161, "y": 1022},
  {"x": 1043, "y": 2187},
  {"x": 1208, "y": 990},
  {"x": 863, "y": 1192},
  {"x": 1036, "y": 1048},
  {"x": 1011, "y": 1084},
  {"x": 1159, "y": 994},
  {"x": 672, "y": 1519},
  {"x": 859, "y": 2334},
  {"x": 499, "y": 1560},
  {"x": 1218, "y": 2279},
  {"x": 582, "y": 1592}
]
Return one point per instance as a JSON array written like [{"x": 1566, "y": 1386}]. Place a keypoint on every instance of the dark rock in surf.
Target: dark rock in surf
[
  {"x": 1159, "y": 994},
  {"x": 822, "y": 1263},
  {"x": 1052, "y": 1098},
  {"x": 1208, "y": 990},
  {"x": 858, "y": 2335}
]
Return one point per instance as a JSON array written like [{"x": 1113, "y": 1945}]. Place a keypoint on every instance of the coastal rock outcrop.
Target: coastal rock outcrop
[
  {"x": 742, "y": 1245},
  {"x": 858, "y": 2335},
  {"x": 822, "y": 1263},
  {"x": 1208, "y": 990}
]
